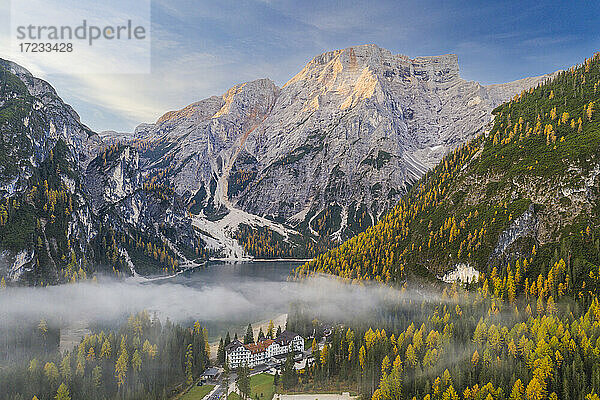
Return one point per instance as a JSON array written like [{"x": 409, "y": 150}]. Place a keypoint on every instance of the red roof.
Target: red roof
[{"x": 259, "y": 347}]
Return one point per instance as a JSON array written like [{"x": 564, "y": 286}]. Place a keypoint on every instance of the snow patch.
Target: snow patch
[
  {"x": 461, "y": 273},
  {"x": 21, "y": 259},
  {"x": 10, "y": 187},
  {"x": 130, "y": 263},
  {"x": 344, "y": 217}
]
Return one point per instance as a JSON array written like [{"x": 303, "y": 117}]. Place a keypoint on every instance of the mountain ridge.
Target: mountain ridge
[
  {"x": 527, "y": 192},
  {"x": 70, "y": 203},
  {"x": 260, "y": 171},
  {"x": 353, "y": 104}
]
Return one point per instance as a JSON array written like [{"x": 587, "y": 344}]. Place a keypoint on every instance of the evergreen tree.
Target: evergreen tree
[
  {"x": 221, "y": 352},
  {"x": 261, "y": 335},
  {"x": 243, "y": 381},
  {"x": 289, "y": 378},
  {"x": 63, "y": 393},
  {"x": 97, "y": 376},
  {"x": 249, "y": 337},
  {"x": 226, "y": 378}
]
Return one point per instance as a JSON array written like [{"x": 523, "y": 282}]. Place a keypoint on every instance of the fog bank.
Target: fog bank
[{"x": 231, "y": 299}]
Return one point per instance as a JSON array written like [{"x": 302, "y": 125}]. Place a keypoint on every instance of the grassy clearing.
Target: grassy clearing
[
  {"x": 233, "y": 396},
  {"x": 197, "y": 392},
  {"x": 261, "y": 386}
]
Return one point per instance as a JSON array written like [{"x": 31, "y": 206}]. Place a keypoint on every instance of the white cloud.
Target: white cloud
[{"x": 125, "y": 55}]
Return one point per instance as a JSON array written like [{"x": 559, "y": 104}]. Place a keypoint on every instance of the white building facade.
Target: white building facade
[{"x": 251, "y": 355}]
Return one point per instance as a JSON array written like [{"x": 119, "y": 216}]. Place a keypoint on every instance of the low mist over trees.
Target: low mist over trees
[{"x": 142, "y": 359}]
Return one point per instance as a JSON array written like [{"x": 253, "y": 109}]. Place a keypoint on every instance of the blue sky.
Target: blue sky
[{"x": 201, "y": 48}]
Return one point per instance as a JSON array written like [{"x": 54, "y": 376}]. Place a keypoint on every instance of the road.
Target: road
[{"x": 216, "y": 394}]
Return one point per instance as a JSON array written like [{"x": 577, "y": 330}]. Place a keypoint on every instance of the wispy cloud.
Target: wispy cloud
[
  {"x": 201, "y": 48},
  {"x": 548, "y": 41}
]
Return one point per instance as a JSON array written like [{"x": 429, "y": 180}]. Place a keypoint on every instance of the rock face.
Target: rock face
[
  {"x": 27, "y": 141},
  {"x": 71, "y": 202},
  {"x": 43, "y": 147},
  {"x": 331, "y": 150},
  {"x": 112, "y": 182},
  {"x": 523, "y": 226},
  {"x": 308, "y": 164}
]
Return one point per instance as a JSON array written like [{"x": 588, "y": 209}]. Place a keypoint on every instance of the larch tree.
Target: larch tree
[
  {"x": 270, "y": 329},
  {"x": 121, "y": 367},
  {"x": 189, "y": 362},
  {"x": 65, "y": 367},
  {"x": 63, "y": 393},
  {"x": 136, "y": 361}
]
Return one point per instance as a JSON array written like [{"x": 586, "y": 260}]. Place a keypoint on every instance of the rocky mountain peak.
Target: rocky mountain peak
[
  {"x": 332, "y": 149},
  {"x": 325, "y": 155},
  {"x": 352, "y": 62},
  {"x": 316, "y": 161},
  {"x": 249, "y": 101},
  {"x": 250, "y": 98},
  {"x": 441, "y": 69},
  {"x": 199, "y": 110}
]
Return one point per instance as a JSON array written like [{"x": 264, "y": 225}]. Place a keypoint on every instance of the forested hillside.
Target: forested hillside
[
  {"x": 72, "y": 205},
  {"x": 526, "y": 189},
  {"x": 465, "y": 345},
  {"x": 143, "y": 359}
]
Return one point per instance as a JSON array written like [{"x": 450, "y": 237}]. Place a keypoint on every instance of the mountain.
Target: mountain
[
  {"x": 260, "y": 171},
  {"x": 324, "y": 156},
  {"x": 43, "y": 148},
  {"x": 524, "y": 194},
  {"x": 71, "y": 203}
]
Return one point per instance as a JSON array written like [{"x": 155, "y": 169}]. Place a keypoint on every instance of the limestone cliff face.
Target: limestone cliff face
[
  {"x": 36, "y": 127},
  {"x": 332, "y": 149},
  {"x": 59, "y": 191},
  {"x": 322, "y": 157}
]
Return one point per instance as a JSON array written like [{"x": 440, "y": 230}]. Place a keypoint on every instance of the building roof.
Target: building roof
[
  {"x": 285, "y": 337},
  {"x": 259, "y": 347},
  {"x": 211, "y": 372},
  {"x": 233, "y": 345}
]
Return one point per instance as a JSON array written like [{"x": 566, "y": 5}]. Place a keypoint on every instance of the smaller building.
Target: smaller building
[{"x": 210, "y": 374}]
